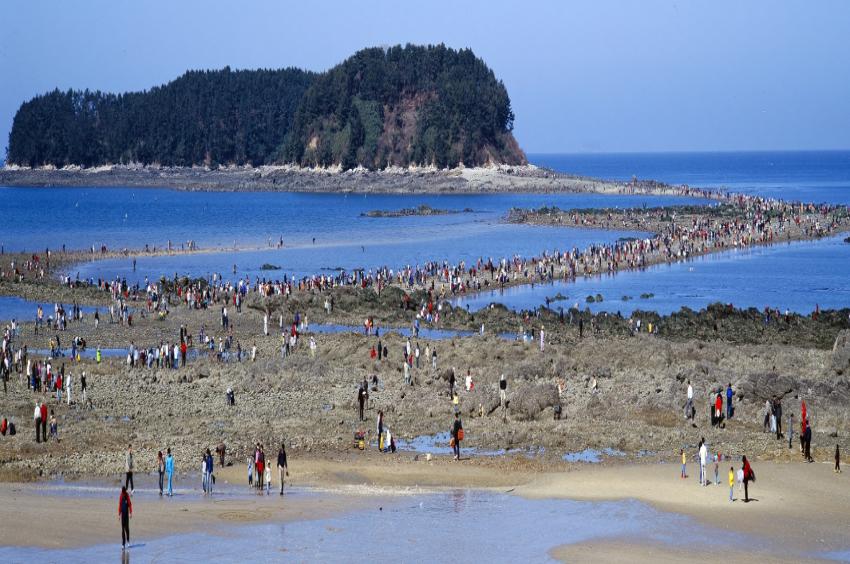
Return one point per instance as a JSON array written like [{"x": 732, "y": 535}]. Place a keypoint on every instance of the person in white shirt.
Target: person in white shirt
[
  {"x": 703, "y": 455},
  {"x": 689, "y": 407}
]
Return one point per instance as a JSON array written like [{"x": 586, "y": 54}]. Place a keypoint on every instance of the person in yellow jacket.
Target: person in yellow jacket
[{"x": 731, "y": 483}]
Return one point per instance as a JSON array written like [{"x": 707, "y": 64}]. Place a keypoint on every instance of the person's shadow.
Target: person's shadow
[{"x": 749, "y": 500}]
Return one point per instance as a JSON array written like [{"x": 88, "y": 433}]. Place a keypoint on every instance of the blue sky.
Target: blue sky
[{"x": 595, "y": 76}]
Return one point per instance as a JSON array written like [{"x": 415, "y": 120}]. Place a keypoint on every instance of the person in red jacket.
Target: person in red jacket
[
  {"x": 125, "y": 511},
  {"x": 44, "y": 421},
  {"x": 718, "y": 407}
]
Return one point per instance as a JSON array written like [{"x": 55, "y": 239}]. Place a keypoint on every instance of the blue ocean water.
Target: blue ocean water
[
  {"x": 796, "y": 276},
  {"x": 810, "y": 176},
  {"x": 33, "y": 219}
]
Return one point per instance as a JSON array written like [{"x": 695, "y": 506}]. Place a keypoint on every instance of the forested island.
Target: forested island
[{"x": 400, "y": 106}]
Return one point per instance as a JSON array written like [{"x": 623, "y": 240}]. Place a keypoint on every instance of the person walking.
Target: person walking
[
  {"x": 125, "y": 511},
  {"x": 160, "y": 469},
  {"x": 749, "y": 476},
  {"x": 457, "y": 435},
  {"x": 361, "y": 401},
  {"x": 128, "y": 468},
  {"x": 282, "y": 467},
  {"x": 169, "y": 470},
  {"x": 837, "y": 469}
]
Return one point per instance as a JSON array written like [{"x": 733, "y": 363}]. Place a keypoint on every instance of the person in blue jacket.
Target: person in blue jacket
[
  {"x": 209, "y": 469},
  {"x": 729, "y": 394},
  {"x": 169, "y": 470}
]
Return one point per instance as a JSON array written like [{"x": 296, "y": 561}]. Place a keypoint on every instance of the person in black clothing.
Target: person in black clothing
[
  {"x": 125, "y": 511},
  {"x": 777, "y": 411},
  {"x": 380, "y": 350},
  {"x": 581, "y": 327},
  {"x": 452, "y": 383},
  {"x": 282, "y": 468},
  {"x": 807, "y": 441},
  {"x": 457, "y": 428},
  {"x": 361, "y": 400}
]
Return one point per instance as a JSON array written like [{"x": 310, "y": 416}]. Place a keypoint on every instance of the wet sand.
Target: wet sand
[
  {"x": 801, "y": 509},
  {"x": 76, "y": 520}
]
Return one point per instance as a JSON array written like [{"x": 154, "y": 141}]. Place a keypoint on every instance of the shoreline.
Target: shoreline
[
  {"x": 328, "y": 488},
  {"x": 423, "y": 180}
]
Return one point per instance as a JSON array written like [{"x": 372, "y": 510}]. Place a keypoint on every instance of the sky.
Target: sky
[{"x": 593, "y": 76}]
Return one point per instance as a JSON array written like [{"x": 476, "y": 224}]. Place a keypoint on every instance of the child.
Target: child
[
  {"x": 684, "y": 463},
  {"x": 250, "y": 472},
  {"x": 740, "y": 476},
  {"x": 268, "y": 479},
  {"x": 731, "y": 483},
  {"x": 837, "y": 460},
  {"x": 717, "y": 469}
]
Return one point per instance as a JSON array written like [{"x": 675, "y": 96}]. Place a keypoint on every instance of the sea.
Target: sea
[{"x": 327, "y": 233}]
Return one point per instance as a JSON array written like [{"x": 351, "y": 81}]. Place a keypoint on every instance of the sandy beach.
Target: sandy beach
[{"x": 797, "y": 510}]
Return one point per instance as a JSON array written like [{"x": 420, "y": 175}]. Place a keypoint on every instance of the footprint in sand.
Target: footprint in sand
[{"x": 243, "y": 516}]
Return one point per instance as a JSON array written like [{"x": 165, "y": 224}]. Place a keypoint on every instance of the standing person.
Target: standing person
[
  {"x": 457, "y": 435},
  {"x": 729, "y": 394},
  {"x": 44, "y": 421},
  {"x": 380, "y": 430},
  {"x": 250, "y": 462},
  {"x": 69, "y": 387},
  {"x": 808, "y": 442},
  {"x": 749, "y": 476},
  {"x": 268, "y": 479},
  {"x": 503, "y": 396},
  {"x": 717, "y": 469},
  {"x": 684, "y": 463},
  {"x": 703, "y": 455},
  {"x": 689, "y": 406},
  {"x": 160, "y": 469},
  {"x": 128, "y": 468},
  {"x": 169, "y": 470},
  {"x": 204, "y": 475},
  {"x": 83, "y": 387},
  {"x": 282, "y": 468},
  {"x": 36, "y": 417},
  {"x": 790, "y": 428},
  {"x": 125, "y": 511},
  {"x": 542, "y": 339},
  {"x": 777, "y": 412},
  {"x": 837, "y": 460},
  {"x": 361, "y": 400},
  {"x": 208, "y": 467},
  {"x": 731, "y": 483}
]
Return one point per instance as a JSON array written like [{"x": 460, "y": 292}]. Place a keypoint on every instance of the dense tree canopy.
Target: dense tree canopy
[{"x": 412, "y": 104}]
